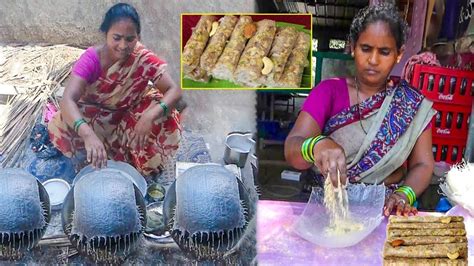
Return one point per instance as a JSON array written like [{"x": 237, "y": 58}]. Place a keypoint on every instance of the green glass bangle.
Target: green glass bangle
[
  {"x": 165, "y": 108},
  {"x": 78, "y": 123},
  {"x": 311, "y": 148},
  {"x": 307, "y": 148},
  {"x": 408, "y": 191},
  {"x": 304, "y": 150}
]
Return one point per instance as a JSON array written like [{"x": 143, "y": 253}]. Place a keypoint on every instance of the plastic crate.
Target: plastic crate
[
  {"x": 451, "y": 121},
  {"x": 452, "y": 92},
  {"x": 444, "y": 85},
  {"x": 448, "y": 150}
]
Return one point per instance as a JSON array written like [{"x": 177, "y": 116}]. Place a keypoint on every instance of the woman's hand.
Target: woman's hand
[
  {"x": 398, "y": 202},
  {"x": 139, "y": 136},
  {"x": 330, "y": 159},
  {"x": 96, "y": 154}
]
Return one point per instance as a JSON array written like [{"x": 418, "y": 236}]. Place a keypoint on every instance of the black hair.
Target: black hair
[
  {"x": 385, "y": 12},
  {"x": 117, "y": 12}
]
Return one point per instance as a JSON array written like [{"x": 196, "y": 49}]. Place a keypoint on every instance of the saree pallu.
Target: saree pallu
[
  {"x": 112, "y": 106},
  {"x": 394, "y": 119}
]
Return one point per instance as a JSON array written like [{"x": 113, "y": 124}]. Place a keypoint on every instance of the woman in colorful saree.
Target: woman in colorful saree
[
  {"x": 109, "y": 108},
  {"x": 364, "y": 126}
]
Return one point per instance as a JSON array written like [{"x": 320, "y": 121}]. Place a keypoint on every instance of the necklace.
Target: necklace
[{"x": 358, "y": 105}]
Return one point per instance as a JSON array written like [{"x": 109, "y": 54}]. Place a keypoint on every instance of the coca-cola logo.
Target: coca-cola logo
[
  {"x": 446, "y": 97},
  {"x": 444, "y": 131}
]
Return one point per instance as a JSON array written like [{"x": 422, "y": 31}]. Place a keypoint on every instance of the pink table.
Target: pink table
[{"x": 277, "y": 244}]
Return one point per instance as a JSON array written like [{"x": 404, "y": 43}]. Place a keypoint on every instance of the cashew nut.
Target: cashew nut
[
  {"x": 446, "y": 220},
  {"x": 453, "y": 256},
  {"x": 215, "y": 25},
  {"x": 267, "y": 66}
]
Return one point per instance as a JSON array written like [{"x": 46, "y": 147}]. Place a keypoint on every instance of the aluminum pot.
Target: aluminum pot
[
  {"x": 57, "y": 190},
  {"x": 237, "y": 148}
]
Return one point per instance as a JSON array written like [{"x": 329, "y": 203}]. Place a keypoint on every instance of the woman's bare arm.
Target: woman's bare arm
[
  {"x": 304, "y": 127},
  {"x": 171, "y": 95},
  {"x": 72, "y": 93},
  {"x": 329, "y": 156},
  {"x": 420, "y": 164},
  {"x": 95, "y": 149},
  {"x": 420, "y": 170}
]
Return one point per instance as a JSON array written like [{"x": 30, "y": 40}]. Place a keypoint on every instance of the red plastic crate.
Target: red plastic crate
[
  {"x": 451, "y": 121},
  {"x": 444, "y": 85},
  {"x": 448, "y": 150},
  {"x": 452, "y": 92}
]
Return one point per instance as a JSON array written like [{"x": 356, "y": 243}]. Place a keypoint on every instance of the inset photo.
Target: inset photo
[{"x": 224, "y": 51}]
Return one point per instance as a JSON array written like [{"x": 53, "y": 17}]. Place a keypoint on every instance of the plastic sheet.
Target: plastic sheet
[{"x": 365, "y": 207}]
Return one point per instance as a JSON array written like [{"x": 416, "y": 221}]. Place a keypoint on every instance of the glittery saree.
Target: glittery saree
[{"x": 113, "y": 104}]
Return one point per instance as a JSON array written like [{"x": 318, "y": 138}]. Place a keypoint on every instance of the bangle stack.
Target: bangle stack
[
  {"x": 408, "y": 191},
  {"x": 78, "y": 123},
  {"x": 165, "y": 108},
  {"x": 307, "y": 148}
]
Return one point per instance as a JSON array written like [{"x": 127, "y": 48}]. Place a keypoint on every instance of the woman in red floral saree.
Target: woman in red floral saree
[{"x": 109, "y": 108}]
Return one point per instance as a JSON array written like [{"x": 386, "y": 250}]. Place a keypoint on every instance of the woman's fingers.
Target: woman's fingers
[
  {"x": 389, "y": 206},
  {"x": 333, "y": 172},
  {"x": 93, "y": 157},
  {"x": 89, "y": 154},
  {"x": 325, "y": 166},
  {"x": 124, "y": 140},
  {"x": 141, "y": 142},
  {"x": 413, "y": 211},
  {"x": 131, "y": 140},
  {"x": 400, "y": 207},
  {"x": 102, "y": 158},
  {"x": 407, "y": 209},
  {"x": 341, "y": 165}
]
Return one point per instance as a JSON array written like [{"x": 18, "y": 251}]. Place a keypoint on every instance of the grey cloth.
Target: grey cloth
[
  {"x": 207, "y": 200},
  {"x": 105, "y": 206},
  {"x": 20, "y": 206}
]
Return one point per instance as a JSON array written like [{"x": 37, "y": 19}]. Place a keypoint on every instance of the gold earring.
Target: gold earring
[{"x": 352, "y": 54}]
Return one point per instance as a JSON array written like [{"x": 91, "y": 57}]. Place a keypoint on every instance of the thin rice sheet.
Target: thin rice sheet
[
  {"x": 217, "y": 42},
  {"x": 197, "y": 42},
  {"x": 282, "y": 46},
  {"x": 249, "y": 69},
  {"x": 293, "y": 73},
  {"x": 227, "y": 62}
]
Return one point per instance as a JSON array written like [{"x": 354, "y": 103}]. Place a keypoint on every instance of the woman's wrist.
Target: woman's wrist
[
  {"x": 85, "y": 131},
  {"x": 164, "y": 107},
  {"x": 408, "y": 193},
  {"x": 307, "y": 147},
  {"x": 78, "y": 123},
  {"x": 161, "y": 109}
]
